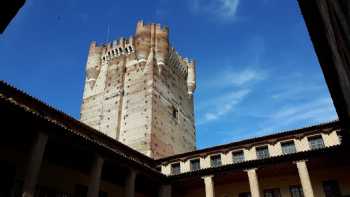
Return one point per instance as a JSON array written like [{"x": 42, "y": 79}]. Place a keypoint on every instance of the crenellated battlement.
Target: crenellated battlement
[
  {"x": 141, "y": 26},
  {"x": 178, "y": 62},
  {"x": 117, "y": 48}
]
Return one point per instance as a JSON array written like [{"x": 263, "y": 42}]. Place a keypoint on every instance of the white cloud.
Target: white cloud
[
  {"x": 221, "y": 9},
  {"x": 228, "y": 8},
  {"x": 235, "y": 85},
  {"x": 313, "y": 111},
  {"x": 246, "y": 76},
  {"x": 237, "y": 78},
  {"x": 220, "y": 106},
  {"x": 296, "y": 86}
]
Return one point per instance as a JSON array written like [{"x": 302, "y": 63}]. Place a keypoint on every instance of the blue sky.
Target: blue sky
[{"x": 256, "y": 68}]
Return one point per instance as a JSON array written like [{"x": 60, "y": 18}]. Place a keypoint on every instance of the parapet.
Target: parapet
[
  {"x": 180, "y": 63},
  {"x": 141, "y": 27},
  {"x": 116, "y": 48}
]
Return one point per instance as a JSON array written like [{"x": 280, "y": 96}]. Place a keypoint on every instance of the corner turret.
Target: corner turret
[
  {"x": 191, "y": 76},
  {"x": 93, "y": 65}
]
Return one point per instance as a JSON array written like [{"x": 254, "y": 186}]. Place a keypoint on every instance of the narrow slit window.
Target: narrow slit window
[{"x": 174, "y": 112}]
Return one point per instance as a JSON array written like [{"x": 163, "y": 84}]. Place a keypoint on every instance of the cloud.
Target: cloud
[
  {"x": 296, "y": 86},
  {"x": 222, "y": 105},
  {"x": 234, "y": 87},
  {"x": 287, "y": 118},
  {"x": 237, "y": 78},
  {"x": 245, "y": 76},
  {"x": 313, "y": 111},
  {"x": 221, "y": 9},
  {"x": 227, "y": 8}
]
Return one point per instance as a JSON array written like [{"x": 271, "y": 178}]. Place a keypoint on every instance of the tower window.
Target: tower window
[{"x": 174, "y": 112}]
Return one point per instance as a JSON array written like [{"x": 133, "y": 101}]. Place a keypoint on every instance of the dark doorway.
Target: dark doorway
[
  {"x": 8, "y": 173},
  {"x": 331, "y": 188}
]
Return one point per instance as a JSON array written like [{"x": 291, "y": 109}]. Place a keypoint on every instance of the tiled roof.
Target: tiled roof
[{"x": 43, "y": 111}]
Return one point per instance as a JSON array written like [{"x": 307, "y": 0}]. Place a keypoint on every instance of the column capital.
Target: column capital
[
  {"x": 300, "y": 161},
  {"x": 250, "y": 169},
  {"x": 209, "y": 185},
  {"x": 133, "y": 172},
  {"x": 207, "y": 176}
]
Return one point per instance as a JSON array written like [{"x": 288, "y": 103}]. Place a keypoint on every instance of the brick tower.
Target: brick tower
[{"x": 140, "y": 91}]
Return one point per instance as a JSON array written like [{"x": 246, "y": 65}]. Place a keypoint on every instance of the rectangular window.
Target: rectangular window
[
  {"x": 316, "y": 142},
  {"x": 272, "y": 193},
  {"x": 215, "y": 160},
  {"x": 237, "y": 156},
  {"x": 175, "y": 168},
  {"x": 80, "y": 190},
  {"x": 102, "y": 194},
  {"x": 288, "y": 147},
  {"x": 296, "y": 191},
  {"x": 195, "y": 164},
  {"x": 245, "y": 194},
  {"x": 262, "y": 152},
  {"x": 331, "y": 188}
]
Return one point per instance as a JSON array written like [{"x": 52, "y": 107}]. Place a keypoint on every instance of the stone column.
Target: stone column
[
  {"x": 305, "y": 178},
  {"x": 164, "y": 191},
  {"x": 130, "y": 184},
  {"x": 253, "y": 182},
  {"x": 34, "y": 164},
  {"x": 95, "y": 177},
  {"x": 209, "y": 186}
]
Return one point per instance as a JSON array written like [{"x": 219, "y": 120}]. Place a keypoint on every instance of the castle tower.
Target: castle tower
[{"x": 140, "y": 91}]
